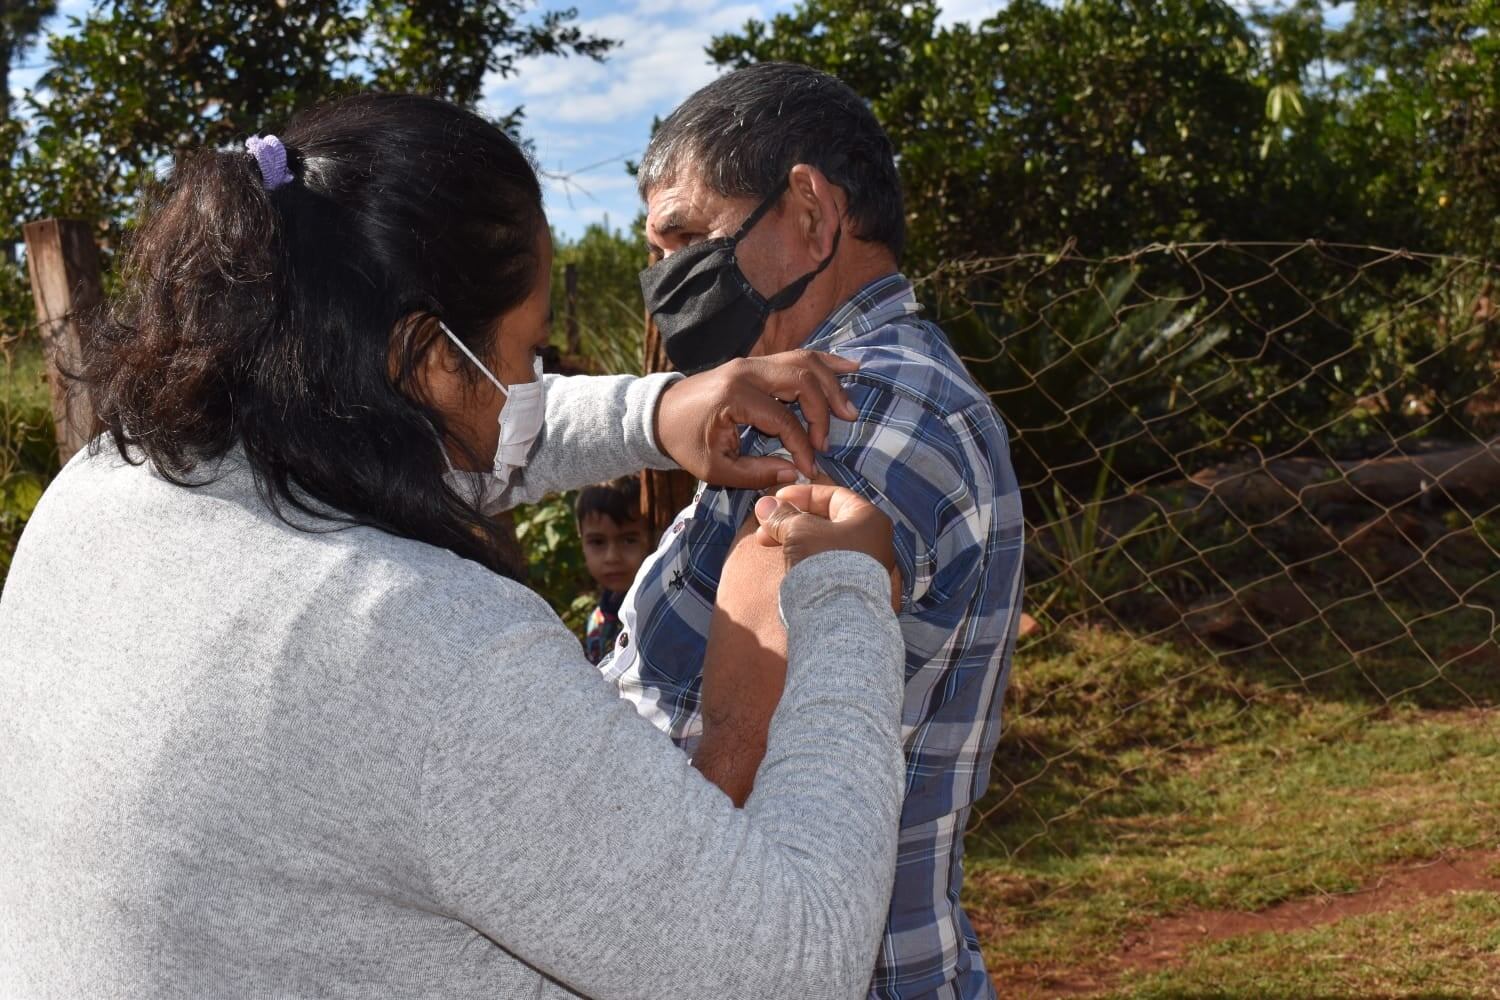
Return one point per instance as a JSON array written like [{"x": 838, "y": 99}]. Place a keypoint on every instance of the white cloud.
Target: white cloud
[
  {"x": 579, "y": 112},
  {"x": 660, "y": 61},
  {"x": 24, "y": 79},
  {"x": 971, "y": 11},
  {"x": 648, "y": 7}
]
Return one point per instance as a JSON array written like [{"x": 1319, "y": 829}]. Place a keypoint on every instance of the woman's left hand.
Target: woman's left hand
[{"x": 699, "y": 417}]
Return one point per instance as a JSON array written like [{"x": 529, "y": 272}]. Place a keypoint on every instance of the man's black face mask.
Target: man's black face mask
[{"x": 706, "y": 310}]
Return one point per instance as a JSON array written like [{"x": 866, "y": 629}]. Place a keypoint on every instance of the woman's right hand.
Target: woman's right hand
[{"x": 807, "y": 519}]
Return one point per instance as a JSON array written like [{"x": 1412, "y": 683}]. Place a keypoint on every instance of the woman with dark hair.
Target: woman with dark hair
[{"x": 276, "y": 720}]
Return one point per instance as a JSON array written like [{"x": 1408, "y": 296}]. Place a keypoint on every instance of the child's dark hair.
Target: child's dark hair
[
  {"x": 292, "y": 322},
  {"x": 618, "y": 500}
]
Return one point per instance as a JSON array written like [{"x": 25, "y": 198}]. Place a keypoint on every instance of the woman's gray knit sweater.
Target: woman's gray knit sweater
[{"x": 241, "y": 760}]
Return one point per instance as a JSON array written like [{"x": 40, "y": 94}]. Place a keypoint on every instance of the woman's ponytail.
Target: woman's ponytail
[
  {"x": 202, "y": 277},
  {"x": 262, "y": 290}
]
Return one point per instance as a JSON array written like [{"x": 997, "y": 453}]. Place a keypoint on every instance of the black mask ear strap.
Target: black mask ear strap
[
  {"x": 762, "y": 209},
  {"x": 791, "y": 293},
  {"x": 774, "y": 197},
  {"x": 835, "y": 163}
]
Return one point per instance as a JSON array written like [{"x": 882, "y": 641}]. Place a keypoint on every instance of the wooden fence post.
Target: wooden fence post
[
  {"x": 65, "y": 284},
  {"x": 663, "y": 494},
  {"x": 570, "y": 286}
]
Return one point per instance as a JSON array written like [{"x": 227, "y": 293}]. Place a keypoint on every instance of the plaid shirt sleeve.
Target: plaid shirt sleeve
[
  {"x": 907, "y": 460},
  {"x": 933, "y": 471}
]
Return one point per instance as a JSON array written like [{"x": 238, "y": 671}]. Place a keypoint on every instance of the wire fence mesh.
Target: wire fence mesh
[{"x": 1253, "y": 474}]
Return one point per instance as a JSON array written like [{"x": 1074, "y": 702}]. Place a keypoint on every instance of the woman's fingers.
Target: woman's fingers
[
  {"x": 752, "y": 472},
  {"x": 698, "y": 419},
  {"x": 813, "y": 498},
  {"x": 821, "y": 368},
  {"x": 828, "y": 500},
  {"x": 774, "y": 419},
  {"x": 842, "y": 365},
  {"x": 775, "y": 517},
  {"x": 798, "y": 375},
  {"x": 811, "y": 518},
  {"x": 815, "y": 410},
  {"x": 808, "y": 378}
]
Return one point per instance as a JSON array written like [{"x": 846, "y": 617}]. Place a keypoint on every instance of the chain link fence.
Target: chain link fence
[
  {"x": 1252, "y": 473},
  {"x": 1256, "y": 476}
]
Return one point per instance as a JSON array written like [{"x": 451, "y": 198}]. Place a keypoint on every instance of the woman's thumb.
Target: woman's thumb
[{"x": 776, "y": 517}]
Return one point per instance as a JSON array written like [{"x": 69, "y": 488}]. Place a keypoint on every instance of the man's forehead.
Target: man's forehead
[
  {"x": 688, "y": 203},
  {"x": 679, "y": 204}
]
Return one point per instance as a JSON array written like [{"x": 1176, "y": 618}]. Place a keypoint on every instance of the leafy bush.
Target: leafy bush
[
  {"x": 28, "y": 451},
  {"x": 554, "y": 556},
  {"x": 1084, "y": 358},
  {"x": 608, "y": 308}
]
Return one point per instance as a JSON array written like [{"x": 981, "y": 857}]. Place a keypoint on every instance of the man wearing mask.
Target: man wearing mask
[{"x": 775, "y": 208}]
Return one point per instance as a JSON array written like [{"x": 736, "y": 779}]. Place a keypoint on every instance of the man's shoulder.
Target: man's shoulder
[
  {"x": 923, "y": 428},
  {"x": 911, "y": 359}
]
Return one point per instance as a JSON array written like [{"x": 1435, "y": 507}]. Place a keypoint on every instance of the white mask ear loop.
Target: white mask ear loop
[{"x": 477, "y": 363}]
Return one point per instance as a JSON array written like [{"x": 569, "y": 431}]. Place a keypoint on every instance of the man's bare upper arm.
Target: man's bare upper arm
[
  {"x": 744, "y": 665},
  {"x": 744, "y": 668}
]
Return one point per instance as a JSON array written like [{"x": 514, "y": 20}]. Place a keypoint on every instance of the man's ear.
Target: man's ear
[{"x": 819, "y": 205}]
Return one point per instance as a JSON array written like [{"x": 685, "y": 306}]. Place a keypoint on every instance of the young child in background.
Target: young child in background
[{"x": 615, "y": 543}]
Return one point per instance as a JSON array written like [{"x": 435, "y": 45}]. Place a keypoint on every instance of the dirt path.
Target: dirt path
[{"x": 1163, "y": 943}]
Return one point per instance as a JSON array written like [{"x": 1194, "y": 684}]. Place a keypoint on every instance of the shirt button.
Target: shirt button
[{"x": 624, "y": 639}]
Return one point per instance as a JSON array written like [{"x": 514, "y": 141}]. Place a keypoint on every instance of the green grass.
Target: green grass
[
  {"x": 1440, "y": 947},
  {"x": 1142, "y": 779},
  {"x": 24, "y": 384},
  {"x": 28, "y": 450}
]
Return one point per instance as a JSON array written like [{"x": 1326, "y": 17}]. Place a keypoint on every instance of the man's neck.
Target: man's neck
[
  {"x": 858, "y": 276},
  {"x": 850, "y": 271}
]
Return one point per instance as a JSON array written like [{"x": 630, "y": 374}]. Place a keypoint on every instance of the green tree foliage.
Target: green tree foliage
[
  {"x": 1105, "y": 121},
  {"x": 1419, "y": 105},
  {"x": 19, "y": 25},
  {"x": 1108, "y": 125},
  {"x": 1116, "y": 123},
  {"x": 607, "y": 308},
  {"x": 138, "y": 80},
  {"x": 548, "y": 533}
]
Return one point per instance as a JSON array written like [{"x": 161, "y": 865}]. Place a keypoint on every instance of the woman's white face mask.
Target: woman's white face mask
[{"x": 521, "y": 420}]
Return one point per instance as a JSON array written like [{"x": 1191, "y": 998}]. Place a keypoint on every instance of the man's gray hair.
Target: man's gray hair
[{"x": 746, "y": 130}]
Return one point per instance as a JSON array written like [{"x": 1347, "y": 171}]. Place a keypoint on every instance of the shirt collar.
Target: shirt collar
[{"x": 876, "y": 304}]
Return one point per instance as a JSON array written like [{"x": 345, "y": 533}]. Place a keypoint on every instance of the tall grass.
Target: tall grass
[{"x": 28, "y": 451}]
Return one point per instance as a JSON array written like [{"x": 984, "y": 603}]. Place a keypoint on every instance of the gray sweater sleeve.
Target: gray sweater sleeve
[
  {"x": 597, "y": 427},
  {"x": 565, "y": 828}
]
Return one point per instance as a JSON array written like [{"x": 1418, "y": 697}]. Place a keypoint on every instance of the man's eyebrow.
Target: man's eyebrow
[{"x": 674, "y": 222}]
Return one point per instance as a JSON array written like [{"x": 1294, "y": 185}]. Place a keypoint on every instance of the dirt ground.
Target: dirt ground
[{"x": 1164, "y": 943}]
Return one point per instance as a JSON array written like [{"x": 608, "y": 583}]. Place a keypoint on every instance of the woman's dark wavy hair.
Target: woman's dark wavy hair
[{"x": 292, "y": 322}]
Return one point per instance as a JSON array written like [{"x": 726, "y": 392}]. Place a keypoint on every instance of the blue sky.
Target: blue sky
[{"x": 586, "y": 118}]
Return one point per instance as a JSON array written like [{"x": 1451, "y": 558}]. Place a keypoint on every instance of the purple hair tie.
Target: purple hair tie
[{"x": 270, "y": 156}]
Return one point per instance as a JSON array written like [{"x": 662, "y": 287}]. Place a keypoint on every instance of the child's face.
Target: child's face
[{"x": 613, "y": 551}]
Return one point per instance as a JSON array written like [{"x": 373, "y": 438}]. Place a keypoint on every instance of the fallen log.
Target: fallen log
[{"x": 1463, "y": 474}]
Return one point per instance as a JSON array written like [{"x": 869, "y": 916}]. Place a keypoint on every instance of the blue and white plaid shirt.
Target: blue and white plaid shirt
[{"x": 931, "y": 452}]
